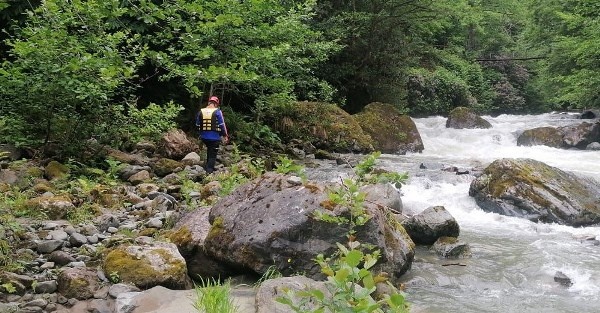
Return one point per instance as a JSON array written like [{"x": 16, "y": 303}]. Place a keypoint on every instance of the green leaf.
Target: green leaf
[{"x": 353, "y": 258}]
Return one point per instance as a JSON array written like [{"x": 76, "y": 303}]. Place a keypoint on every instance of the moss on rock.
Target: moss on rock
[
  {"x": 325, "y": 125},
  {"x": 391, "y": 131}
]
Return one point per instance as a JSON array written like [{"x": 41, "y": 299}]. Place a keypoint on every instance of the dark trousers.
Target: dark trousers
[{"x": 212, "y": 148}]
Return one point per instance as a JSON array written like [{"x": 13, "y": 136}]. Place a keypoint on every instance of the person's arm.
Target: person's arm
[{"x": 221, "y": 121}]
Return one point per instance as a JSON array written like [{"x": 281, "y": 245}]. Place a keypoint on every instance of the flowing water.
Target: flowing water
[{"x": 514, "y": 260}]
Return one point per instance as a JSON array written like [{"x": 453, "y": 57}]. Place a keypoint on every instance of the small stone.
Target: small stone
[
  {"x": 117, "y": 289},
  {"x": 112, "y": 230},
  {"x": 50, "y": 226},
  {"x": 36, "y": 303},
  {"x": 294, "y": 180},
  {"x": 51, "y": 307},
  {"x": 61, "y": 258},
  {"x": 102, "y": 293},
  {"x": 46, "y": 287},
  {"x": 72, "y": 302},
  {"x": 154, "y": 223},
  {"x": 93, "y": 239},
  {"x": 58, "y": 235},
  {"x": 47, "y": 265},
  {"x": 76, "y": 264},
  {"x": 77, "y": 240},
  {"x": 70, "y": 230},
  {"x": 62, "y": 299}
]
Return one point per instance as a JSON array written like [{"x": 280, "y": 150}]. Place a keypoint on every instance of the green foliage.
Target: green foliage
[
  {"x": 350, "y": 281},
  {"x": 286, "y": 165},
  {"x": 214, "y": 297},
  {"x": 349, "y": 286},
  {"x": 567, "y": 33},
  {"x": 150, "y": 122},
  {"x": 114, "y": 277},
  {"x": 68, "y": 66},
  {"x": 9, "y": 287}
]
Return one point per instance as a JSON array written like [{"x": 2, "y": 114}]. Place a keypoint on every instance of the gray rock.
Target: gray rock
[
  {"x": 594, "y": 146},
  {"x": 47, "y": 246},
  {"x": 89, "y": 230},
  {"x": 104, "y": 222},
  {"x": 77, "y": 240},
  {"x": 563, "y": 279},
  {"x": 49, "y": 286},
  {"x": 8, "y": 177},
  {"x": 10, "y": 307},
  {"x": 58, "y": 235},
  {"x": 47, "y": 265},
  {"x": 434, "y": 222},
  {"x": 61, "y": 258},
  {"x": 35, "y": 303},
  {"x": 50, "y": 226},
  {"x": 126, "y": 172},
  {"x": 189, "y": 236},
  {"x": 93, "y": 239},
  {"x": 192, "y": 158},
  {"x": 101, "y": 306},
  {"x": 117, "y": 289},
  {"x": 154, "y": 223},
  {"x": 272, "y": 289}
]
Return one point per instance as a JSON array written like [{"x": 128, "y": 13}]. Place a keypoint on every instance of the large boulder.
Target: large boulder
[
  {"x": 175, "y": 145},
  {"x": 536, "y": 191},
  {"x": 546, "y": 136},
  {"x": 324, "y": 125},
  {"x": 189, "y": 235},
  {"x": 581, "y": 135},
  {"x": 392, "y": 131},
  {"x": 578, "y": 136},
  {"x": 271, "y": 222},
  {"x": 148, "y": 266},
  {"x": 462, "y": 117}
]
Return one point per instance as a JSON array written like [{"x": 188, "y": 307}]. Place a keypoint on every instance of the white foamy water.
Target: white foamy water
[{"x": 514, "y": 260}]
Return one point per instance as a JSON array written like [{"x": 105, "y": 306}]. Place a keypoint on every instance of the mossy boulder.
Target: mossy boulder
[
  {"x": 325, "y": 125},
  {"x": 547, "y": 136},
  {"x": 534, "y": 190},
  {"x": 55, "y": 170},
  {"x": 165, "y": 166},
  {"x": 79, "y": 283},
  {"x": 463, "y": 117},
  {"x": 391, "y": 131},
  {"x": 159, "y": 264},
  {"x": 55, "y": 207}
]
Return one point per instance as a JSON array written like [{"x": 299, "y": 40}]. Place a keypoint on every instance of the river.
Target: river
[{"x": 514, "y": 260}]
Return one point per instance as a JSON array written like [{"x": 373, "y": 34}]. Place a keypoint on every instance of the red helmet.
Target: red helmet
[{"x": 214, "y": 99}]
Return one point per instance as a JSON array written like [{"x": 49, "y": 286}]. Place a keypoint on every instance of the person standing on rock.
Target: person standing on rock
[{"x": 213, "y": 130}]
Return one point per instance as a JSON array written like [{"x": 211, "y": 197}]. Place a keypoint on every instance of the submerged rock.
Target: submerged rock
[
  {"x": 451, "y": 247},
  {"x": 563, "y": 279}
]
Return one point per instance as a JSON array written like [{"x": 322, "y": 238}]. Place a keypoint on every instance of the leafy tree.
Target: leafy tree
[
  {"x": 568, "y": 34},
  {"x": 70, "y": 66}
]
